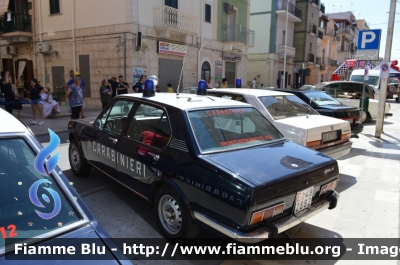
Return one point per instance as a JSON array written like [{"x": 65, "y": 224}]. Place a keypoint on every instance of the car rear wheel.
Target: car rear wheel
[
  {"x": 79, "y": 165},
  {"x": 173, "y": 215},
  {"x": 364, "y": 117}
]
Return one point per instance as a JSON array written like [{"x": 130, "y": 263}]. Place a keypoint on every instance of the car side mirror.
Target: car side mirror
[
  {"x": 98, "y": 123},
  {"x": 313, "y": 105}
]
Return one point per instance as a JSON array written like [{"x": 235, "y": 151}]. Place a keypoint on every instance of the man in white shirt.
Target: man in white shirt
[{"x": 254, "y": 83}]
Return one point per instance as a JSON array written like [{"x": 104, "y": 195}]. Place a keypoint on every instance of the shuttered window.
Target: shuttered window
[{"x": 54, "y": 7}]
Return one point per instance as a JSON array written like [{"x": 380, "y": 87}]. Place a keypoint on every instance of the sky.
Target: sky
[{"x": 376, "y": 16}]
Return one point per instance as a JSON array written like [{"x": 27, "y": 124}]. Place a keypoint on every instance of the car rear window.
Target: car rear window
[
  {"x": 231, "y": 128},
  {"x": 321, "y": 98},
  {"x": 282, "y": 107},
  {"x": 31, "y": 204}
]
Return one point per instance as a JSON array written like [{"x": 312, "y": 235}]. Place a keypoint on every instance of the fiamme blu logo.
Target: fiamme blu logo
[{"x": 45, "y": 168}]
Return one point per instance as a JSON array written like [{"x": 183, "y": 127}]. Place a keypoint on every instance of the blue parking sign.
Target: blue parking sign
[{"x": 369, "y": 39}]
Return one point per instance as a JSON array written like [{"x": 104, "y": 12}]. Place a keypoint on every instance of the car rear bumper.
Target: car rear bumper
[
  {"x": 337, "y": 150},
  {"x": 271, "y": 230}
]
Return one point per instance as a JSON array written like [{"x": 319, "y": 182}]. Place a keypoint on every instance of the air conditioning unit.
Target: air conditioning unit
[
  {"x": 44, "y": 47},
  {"x": 228, "y": 8},
  {"x": 12, "y": 50}
]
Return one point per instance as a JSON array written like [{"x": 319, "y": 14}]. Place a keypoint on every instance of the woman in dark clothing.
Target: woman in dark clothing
[
  {"x": 9, "y": 96},
  {"x": 36, "y": 101}
]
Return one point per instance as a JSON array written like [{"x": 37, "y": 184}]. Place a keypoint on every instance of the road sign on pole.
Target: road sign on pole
[{"x": 368, "y": 44}]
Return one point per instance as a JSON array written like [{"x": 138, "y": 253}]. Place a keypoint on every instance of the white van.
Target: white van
[{"x": 374, "y": 79}]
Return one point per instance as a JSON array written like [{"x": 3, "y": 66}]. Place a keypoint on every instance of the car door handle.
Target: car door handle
[{"x": 114, "y": 140}]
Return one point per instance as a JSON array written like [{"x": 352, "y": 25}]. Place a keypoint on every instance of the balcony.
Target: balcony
[
  {"x": 294, "y": 14},
  {"x": 313, "y": 29},
  {"x": 315, "y": 3},
  {"x": 19, "y": 29},
  {"x": 322, "y": 8},
  {"x": 168, "y": 19},
  {"x": 290, "y": 51},
  {"x": 311, "y": 58},
  {"x": 318, "y": 60},
  {"x": 236, "y": 34},
  {"x": 329, "y": 33},
  {"x": 320, "y": 34},
  {"x": 348, "y": 31}
]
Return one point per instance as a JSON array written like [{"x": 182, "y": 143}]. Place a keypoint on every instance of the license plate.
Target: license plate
[
  {"x": 329, "y": 136},
  {"x": 303, "y": 199}
]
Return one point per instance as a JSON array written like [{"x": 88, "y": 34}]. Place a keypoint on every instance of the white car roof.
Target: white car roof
[
  {"x": 187, "y": 101},
  {"x": 10, "y": 124},
  {"x": 248, "y": 91}
]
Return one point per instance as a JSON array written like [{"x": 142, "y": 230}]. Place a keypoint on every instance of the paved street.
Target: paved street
[{"x": 368, "y": 206}]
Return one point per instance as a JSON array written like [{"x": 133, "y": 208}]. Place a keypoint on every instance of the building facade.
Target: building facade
[
  {"x": 348, "y": 33},
  {"x": 180, "y": 41},
  {"x": 274, "y": 41},
  {"x": 308, "y": 38}
]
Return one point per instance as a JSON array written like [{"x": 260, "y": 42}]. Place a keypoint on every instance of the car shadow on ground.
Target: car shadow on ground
[
  {"x": 373, "y": 123},
  {"x": 94, "y": 182},
  {"x": 345, "y": 182}
]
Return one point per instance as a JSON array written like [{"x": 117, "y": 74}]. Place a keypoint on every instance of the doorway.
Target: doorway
[
  {"x": 230, "y": 73},
  {"x": 169, "y": 72}
]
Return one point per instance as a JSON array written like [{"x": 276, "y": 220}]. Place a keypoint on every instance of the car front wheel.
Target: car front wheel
[
  {"x": 79, "y": 166},
  {"x": 173, "y": 215},
  {"x": 364, "y": 117}
]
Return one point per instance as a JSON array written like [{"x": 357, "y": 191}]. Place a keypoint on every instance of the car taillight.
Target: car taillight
[
  {"x": 313, "y": 144},
  {"x": 372, "y": 96},
  {"x": 267, "y": 213},
  {"x": 346, "y": 136},
  {"x": 357, "y": 120},
  {"x": 330, "y": 186}
]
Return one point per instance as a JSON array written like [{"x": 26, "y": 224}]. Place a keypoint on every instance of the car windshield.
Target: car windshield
[
  {"x": 31, "y": 204},
  {"x": 231, "y": 128},
  {"x": 282, "y": 107},
  {"x": 372, "y": 80},
  {"x": 321, "y": 98}
]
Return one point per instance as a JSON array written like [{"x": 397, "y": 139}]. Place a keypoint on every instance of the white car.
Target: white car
[{"x": 295, "y": 119}]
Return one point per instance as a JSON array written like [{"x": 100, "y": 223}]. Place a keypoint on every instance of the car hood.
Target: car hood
[{"x": 270, "y": 163}]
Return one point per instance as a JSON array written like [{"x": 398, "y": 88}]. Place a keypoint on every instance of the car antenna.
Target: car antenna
[{"x": 183, "y": 65}]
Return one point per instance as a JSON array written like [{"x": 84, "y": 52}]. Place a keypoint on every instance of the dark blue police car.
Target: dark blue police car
[{"x": 205, "y": 160}]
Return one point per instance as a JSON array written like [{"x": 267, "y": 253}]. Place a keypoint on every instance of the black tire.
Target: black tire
[
  {"x": 79, "y": 165},
  {"x": 180, "y": 225}
]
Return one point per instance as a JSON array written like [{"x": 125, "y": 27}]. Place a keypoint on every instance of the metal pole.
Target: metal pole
[
  {"x": 363, "y": 96},
  {"x": 286, "y": 33},
  {"x": 384, "y": 81}
]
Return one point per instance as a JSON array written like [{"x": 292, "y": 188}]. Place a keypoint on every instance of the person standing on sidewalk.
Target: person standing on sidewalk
[
  {"x": 36, "y": 101},
  {"x": 105, "y": 93},
  {"x": 138, "y": 87},
  {"x": 75, "y": 97},
  {"x": 82, "y": 85},
  {"x": 254, "y": 83},
  {"x": 122, "y": 87},
  {"x": 113, "y": 83},
  {"x": 9, "y": 95}
]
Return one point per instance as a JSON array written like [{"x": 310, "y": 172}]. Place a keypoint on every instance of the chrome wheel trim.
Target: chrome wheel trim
[
  {"x": 75, "y": 157},
  {"x": 170, "y": 214},
  {"x": 363, "y": 116}
]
